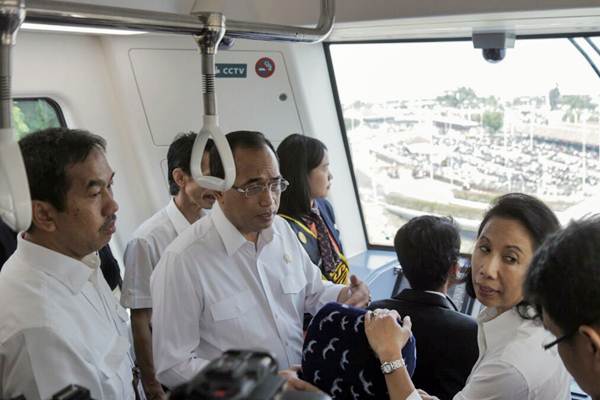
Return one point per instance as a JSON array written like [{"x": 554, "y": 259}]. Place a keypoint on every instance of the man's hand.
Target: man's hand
[
  {"x": 356, "y": 294},
  {"x": 153, "y": 389},
  {"x": 295, "y": 383}
]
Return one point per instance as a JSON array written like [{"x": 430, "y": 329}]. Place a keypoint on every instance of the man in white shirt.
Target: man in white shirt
[
  {"x": 59, "y": 323},
  {"x": 149, "y": 242},
  {"x": 563, "y": 282},
  {"x": 238, "y": 278}
]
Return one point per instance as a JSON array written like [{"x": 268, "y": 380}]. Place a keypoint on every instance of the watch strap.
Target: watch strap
[{"x": 390, "y": 366}]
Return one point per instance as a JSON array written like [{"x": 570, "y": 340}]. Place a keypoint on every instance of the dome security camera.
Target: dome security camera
[
  {"x": 493, "y": 44},
  {"x": 493, "y": 55}
]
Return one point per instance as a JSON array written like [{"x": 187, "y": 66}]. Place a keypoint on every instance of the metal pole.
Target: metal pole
[
  {"x": 12, "y": 13},
  {"x": 76, "y": 14}
]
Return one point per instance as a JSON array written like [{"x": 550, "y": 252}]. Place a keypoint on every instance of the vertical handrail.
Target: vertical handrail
[
  {"x": 15, "y": 199},
  {"x": 208, "y": 43}
]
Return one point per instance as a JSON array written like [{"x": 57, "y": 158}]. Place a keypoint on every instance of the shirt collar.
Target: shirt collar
[
  {"x": 498, "y": 329},
  {"x": 231, "y": 236},
  {"x": 67, "y": 270},
  {"x": 435, "y": 292},
  {"x": 176, "y": 217}
]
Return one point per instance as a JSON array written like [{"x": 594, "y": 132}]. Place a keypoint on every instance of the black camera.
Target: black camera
[
  {"x": 494, "y": 55},
  {"x": 240, "y": 375},
  {"x": 493, "y": 44},
  {"x": 71, "y": 392}
]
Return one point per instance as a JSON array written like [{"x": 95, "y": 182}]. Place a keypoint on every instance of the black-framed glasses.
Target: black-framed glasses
[
  {"x": 560, "y": 339},
  {"x": 254, "y": 189}
]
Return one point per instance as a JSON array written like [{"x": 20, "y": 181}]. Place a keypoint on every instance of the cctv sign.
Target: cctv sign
[{"x": 231, "y": 70}]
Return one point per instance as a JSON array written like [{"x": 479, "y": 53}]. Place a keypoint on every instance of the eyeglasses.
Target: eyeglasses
[
  {"x": 277, "y": 187},
  {"x": 560, "y": 339}
]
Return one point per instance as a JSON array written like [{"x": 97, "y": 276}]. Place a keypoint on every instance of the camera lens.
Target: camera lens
[{"x": 494, "y": 55}]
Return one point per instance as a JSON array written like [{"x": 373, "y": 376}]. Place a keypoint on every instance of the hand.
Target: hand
[
  {"x": 294, "y": 383},
  {"x": 290, "y": 373},
  {"x": 153, "y": 389},
  {"x": 300, "y": 385},
  {"x": 386, "y": 336},
  {"x": 356, "y": 294}
]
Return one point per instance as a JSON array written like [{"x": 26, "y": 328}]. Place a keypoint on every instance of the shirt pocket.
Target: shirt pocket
[
  {"x": 235, "y": 322},
  {"x": 293, "y": 284},
  {"x": 232, "y": 307},
  {"x": 115, "y": 368}
]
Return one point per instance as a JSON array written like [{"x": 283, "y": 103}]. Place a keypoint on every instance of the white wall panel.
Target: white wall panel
[
  {"x": 72, "y": 70},
  {"x": 170, "y": 88}
]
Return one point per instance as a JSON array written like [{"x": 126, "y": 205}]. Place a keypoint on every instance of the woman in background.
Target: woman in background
[
  {"x": 304, "y": 162},
  {"x": 512, "y": 364}
]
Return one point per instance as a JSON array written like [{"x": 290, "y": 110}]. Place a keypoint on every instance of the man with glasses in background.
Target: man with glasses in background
[
  {"x": 563, "y": 282},
  {"x": 238, "y": 278}
]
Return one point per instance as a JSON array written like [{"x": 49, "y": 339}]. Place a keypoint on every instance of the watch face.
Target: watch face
[{"x": 387, "y": 368}]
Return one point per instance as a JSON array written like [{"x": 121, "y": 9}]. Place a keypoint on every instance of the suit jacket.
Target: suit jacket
[
  {"x": 8, "y": 242},
  {"x": 446, "y": 340}
]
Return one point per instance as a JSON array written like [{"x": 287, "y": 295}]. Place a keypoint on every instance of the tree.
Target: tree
[
  {"x": 19, "y": 122},
  {"x": 576, "y": 104},
  {"x": 30, "y": 115},
  {"x": 493, "y": 120},
  {"x": 459, "y": 98}
]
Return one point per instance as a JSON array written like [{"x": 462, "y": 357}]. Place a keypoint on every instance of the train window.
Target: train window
[
  {"x": 32, "y": 114},
  {"x": 431, "y": 127}
]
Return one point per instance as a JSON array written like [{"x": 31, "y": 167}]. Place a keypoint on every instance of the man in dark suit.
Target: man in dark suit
[
  {"x": 428, "y": 248},
  {"x": 8, "y": 242}
]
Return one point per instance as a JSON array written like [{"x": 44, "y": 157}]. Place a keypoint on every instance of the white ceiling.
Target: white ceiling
[{"x": 387, "y": 19}]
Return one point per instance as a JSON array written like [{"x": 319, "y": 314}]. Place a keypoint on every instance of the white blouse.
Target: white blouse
[{"x": 512, "y": 363}]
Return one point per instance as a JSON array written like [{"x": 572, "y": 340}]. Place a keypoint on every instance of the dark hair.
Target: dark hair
[
  {"x": 535, "y": 216},
  {"x": 426, "y": 247},
  {"x": 238, "y": 140},
  {"x": 179, "y": 156},
  {"x": 48, "y": 153},
  {"x": 298, "y": 155},
  {"x": 564, "y": 276}
]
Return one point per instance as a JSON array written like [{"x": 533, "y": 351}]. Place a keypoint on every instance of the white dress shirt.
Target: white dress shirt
[
  {"x": 213, "y": 290},
  {"x": 60, "y": 325},
  {"x": 512, "y": 363},
  {"x": 145, "y": 249}
]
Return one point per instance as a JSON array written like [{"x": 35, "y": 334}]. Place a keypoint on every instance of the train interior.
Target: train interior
[{"x": 416, "y": 119}]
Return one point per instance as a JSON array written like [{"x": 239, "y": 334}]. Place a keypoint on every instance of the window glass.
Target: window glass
[
  {"x": 434, "y": 128},
  {"x": 30, "y": 115}
]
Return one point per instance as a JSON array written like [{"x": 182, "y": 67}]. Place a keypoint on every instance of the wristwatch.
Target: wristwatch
[{"x": 390, "y": 366}]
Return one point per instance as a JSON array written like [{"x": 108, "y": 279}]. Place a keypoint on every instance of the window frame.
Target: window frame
[{"x": 340, "y": 114}]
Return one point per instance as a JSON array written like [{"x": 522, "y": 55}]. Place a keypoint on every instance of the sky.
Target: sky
[{"x": 394, "y": 71}]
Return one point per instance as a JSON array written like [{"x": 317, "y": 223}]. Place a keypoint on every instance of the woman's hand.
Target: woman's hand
[{"x": 386, "y": 336}]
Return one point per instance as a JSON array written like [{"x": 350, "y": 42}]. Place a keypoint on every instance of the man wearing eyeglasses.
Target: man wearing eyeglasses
[
  {"x": 238, "y": 278},
  {"x": 563, "y": 282}
]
